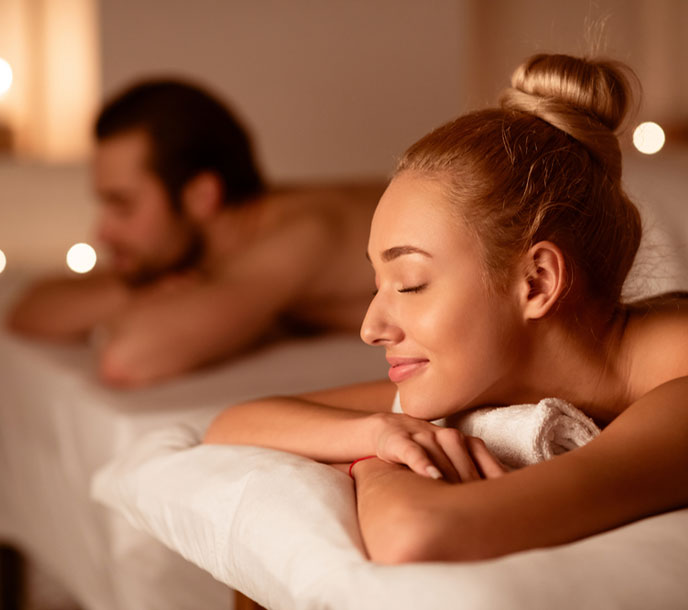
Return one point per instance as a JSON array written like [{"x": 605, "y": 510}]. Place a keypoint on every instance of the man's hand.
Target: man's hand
[
  {"x": 69, "y": 308},
  {"x": 167, "y": 285}
]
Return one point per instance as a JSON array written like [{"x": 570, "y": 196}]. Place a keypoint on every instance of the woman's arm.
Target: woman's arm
[
  {"x": 637, "y": 467},
  {"x": 333, "y": 426},
  {"x": 341, "y": 425}
]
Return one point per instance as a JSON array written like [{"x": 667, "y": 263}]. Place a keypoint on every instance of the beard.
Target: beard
[{"x": 146, "y": 271}]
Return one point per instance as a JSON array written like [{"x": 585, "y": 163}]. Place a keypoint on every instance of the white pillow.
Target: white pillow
[{"x": 283, "y": 530}]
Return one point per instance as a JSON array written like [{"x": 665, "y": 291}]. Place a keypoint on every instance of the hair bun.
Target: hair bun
[{"x": 586, "y": 99}]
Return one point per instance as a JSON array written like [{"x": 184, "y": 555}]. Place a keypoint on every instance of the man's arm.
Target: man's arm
[
  {"x": 637, "y": 467},
  {"x": 68, "y": 308},
  {"x": 157, "y": 338}
]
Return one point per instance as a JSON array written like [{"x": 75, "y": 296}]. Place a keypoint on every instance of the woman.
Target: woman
[{"x": 500, "y": 248}]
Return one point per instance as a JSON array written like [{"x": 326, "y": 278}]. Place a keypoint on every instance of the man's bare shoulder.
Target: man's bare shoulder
[
  {"x": 302, "y": 227},
  {"x": 355, "y": 200},
  {"x": 308, "y": 251}
]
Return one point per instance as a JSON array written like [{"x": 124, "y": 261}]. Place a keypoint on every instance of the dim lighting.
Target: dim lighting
[
  {"x": 5, "y": 76},
  {"x": 648, "y": 138},
  {"x": 81, "y": 258},
  {"x": 3, "y": 261}
]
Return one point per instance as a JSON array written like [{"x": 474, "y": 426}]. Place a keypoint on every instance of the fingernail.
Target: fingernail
[{"x": 433, "y": 472}]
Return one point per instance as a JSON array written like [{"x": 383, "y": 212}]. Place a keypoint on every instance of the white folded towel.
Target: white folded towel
[{"x": 519, "y": 435}]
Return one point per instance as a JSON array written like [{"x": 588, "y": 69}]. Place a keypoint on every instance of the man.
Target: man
[{"x": 205, "y": 260}]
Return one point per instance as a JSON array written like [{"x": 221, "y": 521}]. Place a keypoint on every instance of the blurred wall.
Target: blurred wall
[
  {"x": 330, "y": 88},
  {"x": 339, "y": 88},
  {"x": 649, "y": 35},
  {"x": 52, "y": 47}
]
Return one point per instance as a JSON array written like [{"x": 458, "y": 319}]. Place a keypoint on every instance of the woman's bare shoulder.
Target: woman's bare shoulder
[{"x": 657, "y": 332}]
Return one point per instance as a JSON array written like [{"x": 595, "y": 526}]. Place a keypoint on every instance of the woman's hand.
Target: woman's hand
[{"x": 434, "y": 451}]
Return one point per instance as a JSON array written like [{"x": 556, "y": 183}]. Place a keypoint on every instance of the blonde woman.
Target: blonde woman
[{"x": 500, "y": 249}]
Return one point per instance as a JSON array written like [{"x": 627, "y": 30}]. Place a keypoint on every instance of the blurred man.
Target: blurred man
[{"x": 204, "y": 259}]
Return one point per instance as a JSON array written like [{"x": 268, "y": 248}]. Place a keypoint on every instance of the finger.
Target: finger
[
  {"x": 414, "y": 456},
  {"x": 453, "y": 444},
  {"x": 427, "y": 439},
  {"x": 490, "y": 467}
]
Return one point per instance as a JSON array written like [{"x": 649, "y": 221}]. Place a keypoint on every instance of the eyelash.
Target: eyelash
[{"x": 413, "y": 288}]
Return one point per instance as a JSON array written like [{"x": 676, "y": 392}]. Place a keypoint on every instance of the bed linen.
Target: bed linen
[
  {"x": 58, "y": 425},
  {"x": 282, "y": 529}
]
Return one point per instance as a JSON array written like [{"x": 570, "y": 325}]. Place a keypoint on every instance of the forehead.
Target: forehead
[
  {"x": 122, "y": 157},
  {"x": 415, "y": 211}
]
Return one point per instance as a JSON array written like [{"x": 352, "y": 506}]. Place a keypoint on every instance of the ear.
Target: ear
[
  {"x": 202, "y": 196},
  {"x": 543, "y": 279}
]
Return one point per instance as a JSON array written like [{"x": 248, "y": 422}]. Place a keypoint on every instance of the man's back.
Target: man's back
[{"x": 336, "y": 282}]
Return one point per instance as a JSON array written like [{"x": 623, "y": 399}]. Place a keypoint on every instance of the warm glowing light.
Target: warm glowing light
[
  {"x": 648, "y": 138},
  {"x": 5, "y": 76},
  {"x": 81, "y": 258},
  {"x": 3, "y": 261}
]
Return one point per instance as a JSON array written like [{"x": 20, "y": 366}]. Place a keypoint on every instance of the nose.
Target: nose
[{"x": 377, "y": 327}]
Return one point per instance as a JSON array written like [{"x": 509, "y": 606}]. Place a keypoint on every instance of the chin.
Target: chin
[{"x": 423, "y": 403}]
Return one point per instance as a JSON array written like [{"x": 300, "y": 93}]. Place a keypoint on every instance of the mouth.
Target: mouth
[{"x": 402, "y": 368}]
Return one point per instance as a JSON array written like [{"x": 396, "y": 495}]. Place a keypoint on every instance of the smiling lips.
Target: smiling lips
[{"x": 403, "y": 368}]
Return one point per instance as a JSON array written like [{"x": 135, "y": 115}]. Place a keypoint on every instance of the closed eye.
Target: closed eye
[{"x": 413, "y": 288}]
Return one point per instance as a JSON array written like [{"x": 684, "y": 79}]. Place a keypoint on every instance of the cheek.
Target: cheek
[
  {"x": 152, "y": 225},
  {"x": 476, "y": 346},
  {"x": 453, "y": 323}
]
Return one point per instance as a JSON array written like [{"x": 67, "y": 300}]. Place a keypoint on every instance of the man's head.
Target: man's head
[{"x": 162, "y": 145}]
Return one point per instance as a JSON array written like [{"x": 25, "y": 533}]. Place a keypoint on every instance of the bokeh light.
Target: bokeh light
[
  {"x": 81, "y": 258},
  {"x": 5, "y": 76},
  {"x": 3, "y": 261},
  {"x": 648, "y": 138}
]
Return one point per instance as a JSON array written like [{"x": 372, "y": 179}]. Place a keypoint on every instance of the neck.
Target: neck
[
  {"x": 230, "y": 231},
  {"x": 583, "y": 363}
]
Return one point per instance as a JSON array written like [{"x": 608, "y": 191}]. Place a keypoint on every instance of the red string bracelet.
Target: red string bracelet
[{"x": 367, "y": 457}]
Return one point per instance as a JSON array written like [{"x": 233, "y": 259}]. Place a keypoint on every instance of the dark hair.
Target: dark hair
[
  {"x": 190, "y": 131},
  {"x": 544, "y": 166}
]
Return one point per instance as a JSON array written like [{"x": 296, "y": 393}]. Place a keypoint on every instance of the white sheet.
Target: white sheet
[
  {"x": 282, "y": 529},
  {"x": 58, "y": 425}
]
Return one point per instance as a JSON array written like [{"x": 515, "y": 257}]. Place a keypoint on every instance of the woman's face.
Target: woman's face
[{"x": 451, "y": 343}]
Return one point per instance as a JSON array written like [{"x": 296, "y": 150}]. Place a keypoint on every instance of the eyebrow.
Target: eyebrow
[{"x": 391, "y": 253}]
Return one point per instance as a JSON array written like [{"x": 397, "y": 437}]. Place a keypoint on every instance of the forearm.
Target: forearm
[
  {"x": 68, "y": 308},
  {"x": 326, "y": 434},
  {"x": 407, "y": 518},
  {"x": 396, "y": 520},
  {"x": 162, "y": 335},
  {"x": 614, "y": 480}
]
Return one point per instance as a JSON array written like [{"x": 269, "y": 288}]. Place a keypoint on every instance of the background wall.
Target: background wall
[
  {"x": 649, "y": 35},
  {"x": 339, "y": 88},
  {"x": 330, "y": 89}
]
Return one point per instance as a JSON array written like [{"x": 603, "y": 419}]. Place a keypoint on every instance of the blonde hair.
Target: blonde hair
[{"x": 545, "y": 165}]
